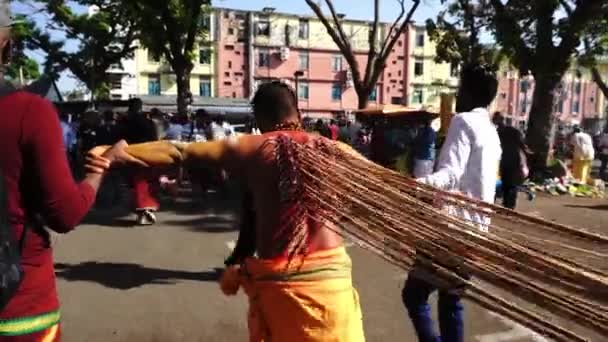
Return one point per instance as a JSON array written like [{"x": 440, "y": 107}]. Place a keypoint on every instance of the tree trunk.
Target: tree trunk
[
  {"x": 540, "y": 132},
  {"x": 363, "y": 98},
  {"x": 184, "y": 95}
]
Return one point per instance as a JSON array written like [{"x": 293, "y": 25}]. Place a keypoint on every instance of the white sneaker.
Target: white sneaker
[{"x": 145, "y": 218}]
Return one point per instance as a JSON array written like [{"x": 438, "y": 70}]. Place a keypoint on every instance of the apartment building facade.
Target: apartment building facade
[
  {"x": 146, "y": 74},
  {"x": 246, "y": 48},
  {"x": 257, "y": 46},
  {"x": 578, "y": 97}
]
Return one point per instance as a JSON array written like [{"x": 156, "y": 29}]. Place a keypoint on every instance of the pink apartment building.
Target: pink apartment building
[
  {"x": 257, "y": 46},
  {"x": 578, "y": 98},
  {"x": 324, "y": 83}
]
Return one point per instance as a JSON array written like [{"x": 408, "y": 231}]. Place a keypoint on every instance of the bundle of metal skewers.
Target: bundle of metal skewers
[{"x": 546, "y": 276}]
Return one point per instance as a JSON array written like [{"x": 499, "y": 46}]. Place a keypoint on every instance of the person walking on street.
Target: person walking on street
[
  {"x": 514, "y": 161},
  {"x": 603, "y": 145},
  {"x": 468, "y": 164},
  {"x": 583, "y": 155},
  {"x": 424, "y": 150},
  {"x": 40, "y": 193},
  {"x": 138, "y": 129}
]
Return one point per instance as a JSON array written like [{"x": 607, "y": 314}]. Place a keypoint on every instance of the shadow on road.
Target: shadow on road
[
  {"x": 593, "y": 207},
  {"x": 208, "y": 223},
  {"x": 127, "y": 276}
]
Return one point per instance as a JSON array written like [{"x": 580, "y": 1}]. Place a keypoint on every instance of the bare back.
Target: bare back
[{"x": 262, "y": 176}]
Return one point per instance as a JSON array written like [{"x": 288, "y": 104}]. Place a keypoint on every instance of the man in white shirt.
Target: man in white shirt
[
  {"x": 468, "y": 164},
  {"x": 583, "y": 155}
]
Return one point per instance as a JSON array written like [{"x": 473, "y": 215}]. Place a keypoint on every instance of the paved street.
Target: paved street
[{"x": 123, "y": 283}]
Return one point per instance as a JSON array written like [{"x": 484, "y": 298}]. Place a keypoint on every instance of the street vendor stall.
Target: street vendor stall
[{"x": 394, "y": 129}]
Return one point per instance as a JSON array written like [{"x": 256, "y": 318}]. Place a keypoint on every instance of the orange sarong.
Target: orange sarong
[{"x": 311, "y": 300}]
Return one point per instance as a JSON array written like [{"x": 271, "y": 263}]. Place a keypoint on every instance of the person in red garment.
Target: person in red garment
[
  {"x": 41, "y": 192},
  {"x": 138, "y": 129}
]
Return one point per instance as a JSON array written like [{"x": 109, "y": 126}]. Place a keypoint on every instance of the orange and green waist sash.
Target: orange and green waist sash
[{"x": 29, "y": 325}]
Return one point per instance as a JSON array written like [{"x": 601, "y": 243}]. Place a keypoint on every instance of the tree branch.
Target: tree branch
[
  {"x": 337, "y": 22},
  {"x": 389, "y": 43},
  {"x": 394, "y": 24},
  {"x": 373, "y": 37},
  {"x": 194, "y": 25},
  {"x": 597, "y": 78},
  {"x": 585, "y": 11},
  {"x": 510, "y": 33},
  {"x": 344, "y": 48}
]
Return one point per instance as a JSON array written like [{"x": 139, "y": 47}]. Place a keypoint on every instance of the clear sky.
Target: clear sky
[{"x": 354, "y": 9}]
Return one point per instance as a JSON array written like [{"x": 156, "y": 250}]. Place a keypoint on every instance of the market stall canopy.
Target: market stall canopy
[
  {"x": 230, "y": 107},
  {"x": 396, "y": 112}
]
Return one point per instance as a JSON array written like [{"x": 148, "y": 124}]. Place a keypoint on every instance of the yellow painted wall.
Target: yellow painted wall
[
  {"x": 432, "y": 72},
  {"x": 168, "y": 85},
  {"x": 318, "y": 37}
]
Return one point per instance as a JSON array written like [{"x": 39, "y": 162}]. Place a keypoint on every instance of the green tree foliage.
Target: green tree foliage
[
  {"x": 457, "y": 30},
  {"x": 92, "y": 43},
  {"x": 172, "y": 30},
  {"x": 21, "y": 65},
  {"x": 596, "y": 46},
  {"x": 542, "y": 37}
]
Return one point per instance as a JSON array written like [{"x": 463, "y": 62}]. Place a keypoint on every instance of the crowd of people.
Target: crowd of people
[{"x": 84, "y": 131}]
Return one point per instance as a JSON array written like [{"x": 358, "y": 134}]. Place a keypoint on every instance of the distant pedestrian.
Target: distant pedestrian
[
  {"x": 603, "y": 146},
  {"x": 334, "y": 130},
  {"x": 583, "y": 155},
  {"x": 140, "y": 128},
  {"x": 424, "y": 150},
  {"x": 514, "y": 161}
]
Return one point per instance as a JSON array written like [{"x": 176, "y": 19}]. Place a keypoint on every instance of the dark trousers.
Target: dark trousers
[
  {"x": 603, "y": 166},
  {"x": 415, "y": 296},
  {"x": 509, "y": 194}
]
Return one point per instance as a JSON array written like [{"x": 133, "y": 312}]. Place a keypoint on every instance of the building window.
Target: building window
[
  {"x": 524, "y": 105},
  {"x": 417, "y": 96},
  {"x": 523, "y": 86},
  {"x": 205, "y": 87},
  {"x": 206, "y": 22},
  {"x": 115, "y": 82},
  {"x": 336, "y": 63},
  {"x": 303, "y": 90},
  {"x": 231, "y": 31},
  {"x": 152, "y": 57},
  {"x": 154, "y": 84},
  {"x": 418, "y": 67},
  {"x": 454, "y": 69},
  {"x": 420, "y": 39},
  {"x": 303, "y": 58},
  {"x": 396, "y": 100},
  {"x": 303, "y": 29},
  {"x": 336, "y": 92},
  {"x": 575, "y": 106},
  {"x": 503, "y": 95},
  {"x": 560, "y": 106},
  {"x": 373, "y": 96},
  {"x": 263, "y": 27},
  {"x": 204, "y": 56},
  {"x": 577, "y": 88},
  {"x": 263, "y": 58}
]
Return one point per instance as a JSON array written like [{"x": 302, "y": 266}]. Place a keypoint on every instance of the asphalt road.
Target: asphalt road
[{"x": 124, "y": 283}]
